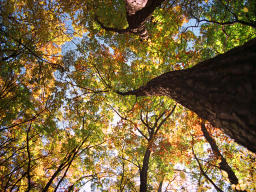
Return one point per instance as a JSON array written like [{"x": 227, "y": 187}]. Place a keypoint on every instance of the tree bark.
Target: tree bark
[
  {"x": 137, "y": 14},
  {"x": 221, "y": 90},
  {"x": 144, "y": 171}
]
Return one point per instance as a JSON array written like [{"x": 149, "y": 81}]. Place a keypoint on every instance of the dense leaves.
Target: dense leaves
[{"x": 63, "y": 124}]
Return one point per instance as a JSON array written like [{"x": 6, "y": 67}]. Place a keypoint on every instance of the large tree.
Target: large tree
[
  {"x": 58, "y": 85},
  {"x": 220, "y": 90}
]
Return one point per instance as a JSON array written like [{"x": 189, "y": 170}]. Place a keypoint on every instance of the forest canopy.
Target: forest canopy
[{"x": 123, "y": 95}]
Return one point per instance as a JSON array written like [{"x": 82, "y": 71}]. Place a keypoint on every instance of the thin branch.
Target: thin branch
[
  {"x": 90, "y": 91},
  {"x": 28, "y": 120},
  {"x": 137, "y": 165},
  {"x": 204, "y": 173},
  {"x": 166, "y": 189},
  {"x": 65, "y": 173},
  {"x": 94, "y": 66},
  {"x": 29, "y": 160},
  {"x": 121, "y": 187},
  {"x": 158, "y": 118},
  {"x": 209, "y": 163},
  {"x": 62, "y": 166},
  {"x": 102, "y": 79},
  {"x": 9, "y": 86},
  {"x": 142, "y": 133},
  {"x": 146, "y": 115},
  {"x": 126, "y": 119},
  {"x": 146, "y": 123},
  {"x": 55, "y": 65},
  {"x": 66, "y": 163},
  {"x": 165, "y": 119},
  {"x": 236, "y": 20},
  {"x": 133, "y": 105}
]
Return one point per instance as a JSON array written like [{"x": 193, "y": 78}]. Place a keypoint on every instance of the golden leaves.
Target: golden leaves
[
  {"x": 177, "y": 8},
  {"x": 239, "y": 186},
  {"x": 51, "y": 51},
  {"x": 245, "y": 9},
  {"x": 79, "y": 29}
]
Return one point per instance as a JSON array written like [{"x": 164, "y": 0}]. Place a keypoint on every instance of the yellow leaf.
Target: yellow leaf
[
  {"x": 182, "y": 175},
  {"x": 245, "y": 9},
  {"x": 225, "y": 174},
  {"x": 243, "y": 186},
  {"x": 177, "y": 8},
  {"x": 233, "y": 186}
]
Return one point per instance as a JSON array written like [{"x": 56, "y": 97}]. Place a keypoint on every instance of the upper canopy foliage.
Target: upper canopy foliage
[{"x": 62, "y": 122}]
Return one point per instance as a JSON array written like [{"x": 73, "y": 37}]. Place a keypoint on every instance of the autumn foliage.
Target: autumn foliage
[{"x": 64, "y": 124}]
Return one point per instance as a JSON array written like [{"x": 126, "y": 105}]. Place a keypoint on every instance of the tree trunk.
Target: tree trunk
[
  {"x": 137, "y": 14},
  {"x": 221, "y": 90},
  {"x": 160, "y": 186},
  {"x": 144, "y": 171},
  {"x": 223, "y": 164}
]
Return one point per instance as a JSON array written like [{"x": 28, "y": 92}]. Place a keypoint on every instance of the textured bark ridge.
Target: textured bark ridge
[
  {"x": 221, "y": 90},
  {"x": 137, "y": 14}
]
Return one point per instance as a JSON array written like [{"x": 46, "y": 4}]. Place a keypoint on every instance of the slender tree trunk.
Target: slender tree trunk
[
  {"x": 223, "y": 164},
  {"x": 144, "y": 171},
  {"x": 160, "y": 186},
  {"x": 221, "y": 90}
]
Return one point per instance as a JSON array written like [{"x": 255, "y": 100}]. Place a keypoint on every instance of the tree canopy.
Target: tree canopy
[{"x": 72, "y": 113}]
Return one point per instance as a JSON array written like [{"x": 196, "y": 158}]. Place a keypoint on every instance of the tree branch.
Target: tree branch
[
  {"x": 28, "y": 120},
  {"x": 223, "y": 164},
  {"x": 204, "y": 173},
  {"x": 165, "y": 119},
  {"x": 126, "y": 119},
  {"x": 137, "y": 14},
  {"x": 146, "y": 123}
]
